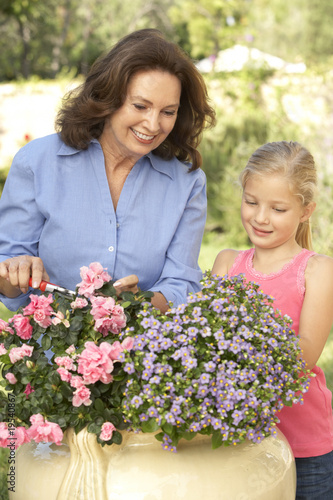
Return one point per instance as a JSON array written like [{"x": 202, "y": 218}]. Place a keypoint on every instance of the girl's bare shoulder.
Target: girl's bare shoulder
[
  {"x": 319, "y": 267},
  {"x": 224, "y": 261}
]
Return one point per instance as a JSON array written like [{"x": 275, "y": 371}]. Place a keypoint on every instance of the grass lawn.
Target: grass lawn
[{"x": 208, "y": 253}]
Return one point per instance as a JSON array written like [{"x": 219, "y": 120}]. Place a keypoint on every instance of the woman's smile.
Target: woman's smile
[{"x": 146, "y": 139}]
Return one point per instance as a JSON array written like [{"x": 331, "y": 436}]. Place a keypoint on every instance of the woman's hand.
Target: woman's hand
[
  {"x": 127, "y": 284},
  {"x": 16, "y": 272}
]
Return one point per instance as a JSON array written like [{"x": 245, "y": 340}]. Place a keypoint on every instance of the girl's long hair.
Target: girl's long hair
[{"x": 296, "y": 163}]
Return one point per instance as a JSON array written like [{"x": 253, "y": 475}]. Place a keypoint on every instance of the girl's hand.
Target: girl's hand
[{"x": 16, "y": 272}]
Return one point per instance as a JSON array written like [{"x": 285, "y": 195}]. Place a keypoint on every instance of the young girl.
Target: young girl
[{"x": 278, "y": 184}]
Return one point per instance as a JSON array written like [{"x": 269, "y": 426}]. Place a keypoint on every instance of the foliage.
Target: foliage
[
  {"x": 49, "y": 37},
  {"x": 294, "y": 30},
  {"x": 207, "y": 26},
  {"x": 3, "y": 473},
  {"x": 3, "y": 176},
  {"x": 69, "y": 389},
  {"x": 222, "y": 364}
]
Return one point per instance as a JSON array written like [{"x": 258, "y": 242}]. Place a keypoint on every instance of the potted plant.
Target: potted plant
[{"x": 221, "y": 365}]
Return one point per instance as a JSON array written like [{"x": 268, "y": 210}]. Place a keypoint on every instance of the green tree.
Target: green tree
[
  {"x": 207, "y": 26},
  {"x": 301, "y": 29}
]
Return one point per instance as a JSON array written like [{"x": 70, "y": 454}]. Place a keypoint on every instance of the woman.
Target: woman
[{"x": 119, "y": 183}]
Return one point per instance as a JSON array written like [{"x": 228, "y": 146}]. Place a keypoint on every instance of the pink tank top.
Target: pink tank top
[{"x": 308, "y": 427}]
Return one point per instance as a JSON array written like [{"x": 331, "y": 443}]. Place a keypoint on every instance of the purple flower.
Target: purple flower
[
  {"x": 210, "y": 366},
  {"x": 169, "y": 417},
  {"x": 152, "y": 412},
  {"x": 192, "y": 331},
  {"x": 136, "y": 401},
  {"x": 129, "y": 368}
]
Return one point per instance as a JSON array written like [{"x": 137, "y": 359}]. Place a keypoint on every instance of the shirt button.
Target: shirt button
[{"x": 111, "y": 249}]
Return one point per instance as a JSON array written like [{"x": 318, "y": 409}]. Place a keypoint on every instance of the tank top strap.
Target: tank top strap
[{"x": 304, "y": 256}]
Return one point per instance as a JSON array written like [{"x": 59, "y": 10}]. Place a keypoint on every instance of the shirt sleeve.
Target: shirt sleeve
[
  {"x": 181, "y": 273},
  {"x": 21, "y": 221}
]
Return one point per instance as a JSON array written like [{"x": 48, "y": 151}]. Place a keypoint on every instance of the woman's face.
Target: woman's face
[{"x": 147, "y": 116}]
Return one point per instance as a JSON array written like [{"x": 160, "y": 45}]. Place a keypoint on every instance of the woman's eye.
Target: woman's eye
[
  {"x": 139, "y": 106},
  {"x": 170, "y": 113}
]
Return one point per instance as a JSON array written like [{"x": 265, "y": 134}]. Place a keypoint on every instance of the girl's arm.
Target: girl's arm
[
  {"x": 224, "y": 261},
  {"x": 317, "y": 312}
]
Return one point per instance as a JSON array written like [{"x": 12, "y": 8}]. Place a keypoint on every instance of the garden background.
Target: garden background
[{"x": 267, "y": 64}]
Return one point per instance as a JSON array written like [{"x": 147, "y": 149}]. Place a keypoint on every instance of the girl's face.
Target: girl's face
[
  {"x": 271, "y": 212},
  {"x": 147, "y": 116}
]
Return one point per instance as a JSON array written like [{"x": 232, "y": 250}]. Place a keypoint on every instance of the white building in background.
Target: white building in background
[{"x": 239, "y": 57}]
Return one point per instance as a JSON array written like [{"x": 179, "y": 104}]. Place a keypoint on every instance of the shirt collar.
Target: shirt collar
[{"x": 162, "y": 166}]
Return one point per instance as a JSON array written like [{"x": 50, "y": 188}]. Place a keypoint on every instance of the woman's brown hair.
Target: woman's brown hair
[{"x": 85, "y": 108}]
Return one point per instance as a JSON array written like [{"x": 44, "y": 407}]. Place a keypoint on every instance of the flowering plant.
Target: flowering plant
[{"x": 222, "y": 364}]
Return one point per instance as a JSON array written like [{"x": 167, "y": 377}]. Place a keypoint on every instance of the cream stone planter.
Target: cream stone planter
[{"x": 139, "y": 469}]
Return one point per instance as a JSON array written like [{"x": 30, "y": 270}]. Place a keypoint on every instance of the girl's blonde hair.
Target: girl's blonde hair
[{"x": 296, "y": 163}]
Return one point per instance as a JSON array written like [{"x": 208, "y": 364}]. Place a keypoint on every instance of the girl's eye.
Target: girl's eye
[
  {"x": 250, "y": 202},
  {"x": 281, "y": 210}
]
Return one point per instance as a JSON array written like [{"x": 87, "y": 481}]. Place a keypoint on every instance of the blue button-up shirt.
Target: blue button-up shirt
[{"x": 57, "y": 205}]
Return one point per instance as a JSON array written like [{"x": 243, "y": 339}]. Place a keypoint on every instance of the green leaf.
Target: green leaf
[
  {"x": 188, "y": 435},
  {"x": 125, "y": 304},
  {"x": 116, "y": 438},
  {"x": 46, "y": 342},
  {"x": 95, "y": 429},
  {"x": 159, "y": 436},
  {"x": 216, "y": 439},
  {"x": 168, "y": 429},
  {"x": 150, "y": 426},
  {"x": 99, "y": 405},
  {"x": 76, "y": 324}
]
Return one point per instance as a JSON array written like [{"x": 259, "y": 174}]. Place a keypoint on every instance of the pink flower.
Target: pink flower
[
  {"x": 21, "y": 436},
  {"x": 93, "y": 278},
  {"x": 28, "y": 389},
  {"x": 42, "y": 430},
  {"x": 95, "y": 363},
  {"x": 65, "y": 375},
  {"x": 4, "y": 435},
  {"x": 11, "y": 378},
  {"x": 4, "y": 327},
  {"x": 77, "y": 382},
  {"x": 3, "y": 350},
  {"x": 117, "y": 348},
  {"x": 18, "y": 353},
  {"x": 60, "y": 318},
  {"x": 71, "y": 349},
  {"x": 79, "y": 303},
  {"x": 66, "y": 362},
  {"x": 81, "y": 396},
  {"x": 108, "y": 316},
  {"x": 22, "y": 326},
  {"x": 127, "y": 343},
  {"x": 40, "y": 308},
  {"x": 107, "y": 431}
]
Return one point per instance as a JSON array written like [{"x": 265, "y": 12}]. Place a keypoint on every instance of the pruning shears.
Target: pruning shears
[{"x": 45, "y": 286}]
